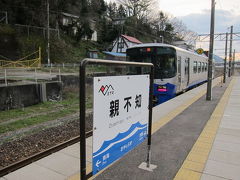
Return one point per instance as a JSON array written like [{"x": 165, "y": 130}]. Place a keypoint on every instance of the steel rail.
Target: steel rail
[{"x": 17, "y": 165}]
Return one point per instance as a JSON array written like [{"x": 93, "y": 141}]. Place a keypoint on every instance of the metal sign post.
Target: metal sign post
[
  {"x": 147, "y": 165},
  {"x": 117, "y": 102}
]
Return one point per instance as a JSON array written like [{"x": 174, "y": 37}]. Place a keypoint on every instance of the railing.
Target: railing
[
  {"x": 23, "y": 62},
  {"x": 10, "y": 76}
]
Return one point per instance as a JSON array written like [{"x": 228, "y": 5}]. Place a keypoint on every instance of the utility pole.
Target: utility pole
[
  {"x": 230, "y": 54},
  {"x": 225, "y": 60},
  {"x": 210, "y": 59},
  {"x": 6, "y": 17},
  {"x": 48, "y": 35}
]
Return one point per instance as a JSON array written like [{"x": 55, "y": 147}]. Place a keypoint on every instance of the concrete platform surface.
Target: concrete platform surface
[
  {"x": 177, "y": 125},
  {"x": 224, "y": 159},
  {"x": 174, "y": 140},
  {"x": 57, "y": 166}
]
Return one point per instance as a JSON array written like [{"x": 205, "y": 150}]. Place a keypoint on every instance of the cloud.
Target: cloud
[{"x": 200, "y": 22}]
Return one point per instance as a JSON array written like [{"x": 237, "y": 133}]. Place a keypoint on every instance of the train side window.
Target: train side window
[
  {"x": 195, "y": 66},
  {"x": 186, "y": 66},
  {"x": 199, "y": 67},
  {"x": 179, "y": 64},
  {"x": 203, "y": 66},
  {"x": 206, "y": 66}
]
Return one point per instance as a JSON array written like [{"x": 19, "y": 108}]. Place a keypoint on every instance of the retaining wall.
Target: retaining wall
[{"x": 19, "y": 96}]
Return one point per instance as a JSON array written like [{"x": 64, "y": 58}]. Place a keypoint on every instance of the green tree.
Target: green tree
[
  {"x": 121, "y": 11},
  {"x": 112, "y": 10}
]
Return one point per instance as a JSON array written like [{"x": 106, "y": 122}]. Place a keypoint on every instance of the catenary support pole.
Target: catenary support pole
[
  {"x": 233, "y": 65},
  {"x": 230, "y": 54},
  {"x": 225, "y": 60},
  {"x": 210, "y": 60}
]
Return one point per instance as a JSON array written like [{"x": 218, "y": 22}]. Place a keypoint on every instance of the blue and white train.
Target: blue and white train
[{"x": 176, "y": 69}]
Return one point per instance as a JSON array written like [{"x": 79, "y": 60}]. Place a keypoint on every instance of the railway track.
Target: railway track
[
  {"x": 13, "y": 167},
  {"x": 40, "y": 155}
]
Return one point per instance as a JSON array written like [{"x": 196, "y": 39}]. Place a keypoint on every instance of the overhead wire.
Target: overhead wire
[{"x": 34, "y": 9}]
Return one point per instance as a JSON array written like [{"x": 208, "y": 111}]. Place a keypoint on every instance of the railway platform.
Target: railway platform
[{"x": 192, "y": 139}]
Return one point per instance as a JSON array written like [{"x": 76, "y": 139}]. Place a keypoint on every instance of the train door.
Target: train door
[
  {"x": 179, "y": 74},
  {"x": 187, "y": 72}
]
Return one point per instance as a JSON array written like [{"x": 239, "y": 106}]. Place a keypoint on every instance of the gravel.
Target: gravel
[{"x": 30, "y": 144}]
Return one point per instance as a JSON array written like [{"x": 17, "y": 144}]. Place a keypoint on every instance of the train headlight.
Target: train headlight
[{"x": 162, "y": 88}]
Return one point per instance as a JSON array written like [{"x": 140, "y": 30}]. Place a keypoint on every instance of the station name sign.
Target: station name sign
[{"x": 120, "y": 117}]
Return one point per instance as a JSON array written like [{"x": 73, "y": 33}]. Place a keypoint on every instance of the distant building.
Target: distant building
[
  {"x": 72, "y": 20},
  {"x": 118, "y": 21},
  {"x": 115, "y": 56},
  {"x": 183, "y": 45},
  {"x": 92, "y": 53},
  {"x": 123, "y": 42},
  {"x": 218, "y": 61},
  {"x": 67, "y": 19}
]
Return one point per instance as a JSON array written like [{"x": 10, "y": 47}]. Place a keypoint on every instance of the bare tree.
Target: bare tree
[
  {"x": 138, "y": 8},
  {"x": 183, "y": 33}
]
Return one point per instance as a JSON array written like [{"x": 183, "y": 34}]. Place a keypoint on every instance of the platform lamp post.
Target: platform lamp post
[{"x": 210, "y": 58}]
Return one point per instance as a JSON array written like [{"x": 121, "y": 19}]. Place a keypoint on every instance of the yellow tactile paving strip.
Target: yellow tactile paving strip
[
  {"x": 193, "y": 166},
  {"x": 157, "y": 125}
]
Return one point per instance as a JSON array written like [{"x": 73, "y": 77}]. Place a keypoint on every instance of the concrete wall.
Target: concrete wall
[
  {"x": 19, "y": 96},
  {"x": 69, "y": 80},
  {"x": 54, "y": 91}
]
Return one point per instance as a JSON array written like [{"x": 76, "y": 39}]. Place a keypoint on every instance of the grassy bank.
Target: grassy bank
[{"x": 16, "y": 119}]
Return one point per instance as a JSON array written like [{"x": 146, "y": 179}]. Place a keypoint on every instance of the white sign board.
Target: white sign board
[{"x": 120, "y": 116}]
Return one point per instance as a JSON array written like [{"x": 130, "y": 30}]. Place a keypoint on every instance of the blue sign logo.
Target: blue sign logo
[{"x": 114, "y": 149}]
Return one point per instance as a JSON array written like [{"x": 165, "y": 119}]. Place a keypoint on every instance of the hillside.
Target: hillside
[
  {"x": 15, "y": 45},
  {"x": 77, "y": 22}
]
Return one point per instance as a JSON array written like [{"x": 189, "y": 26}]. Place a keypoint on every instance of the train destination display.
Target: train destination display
[{"x": 120, "y": 118}]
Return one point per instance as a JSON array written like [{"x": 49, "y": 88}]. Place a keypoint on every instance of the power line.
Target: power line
[
  {"x": 220, "y": 4},
  {"x": 217, "y": 37},
  {"x": 35, "y": 9}
]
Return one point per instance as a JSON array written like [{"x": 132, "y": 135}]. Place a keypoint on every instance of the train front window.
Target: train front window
[
  {"x": 163, "y": 58},
  {"x": 165, "y": 63},
  {"x": 139, "y": 55}
]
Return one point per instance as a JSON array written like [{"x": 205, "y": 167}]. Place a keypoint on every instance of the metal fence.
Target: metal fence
[
  {"x": 29, "y": 30},
  {"x": 62, "y": 65},
  {"x": 29, "y": 61},
  {"x": 28, "y": 75}
]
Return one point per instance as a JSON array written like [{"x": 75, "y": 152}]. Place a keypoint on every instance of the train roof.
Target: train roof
[{"x": 166, "y": 45}]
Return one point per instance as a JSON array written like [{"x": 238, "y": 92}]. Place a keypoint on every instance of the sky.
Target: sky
[{"x": 196, "y": 16}]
